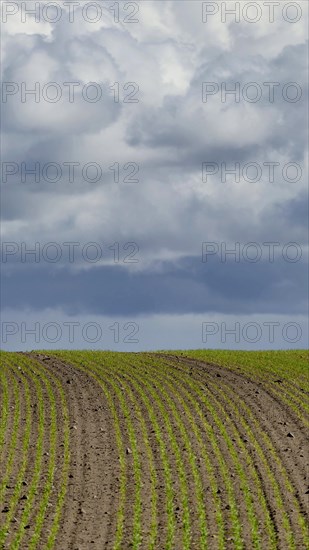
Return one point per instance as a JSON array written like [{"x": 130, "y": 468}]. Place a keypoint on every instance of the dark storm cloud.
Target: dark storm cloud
[{"x": 190, "y": 287}]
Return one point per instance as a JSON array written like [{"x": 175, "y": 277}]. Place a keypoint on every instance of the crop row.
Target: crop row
[
  {"x": 34, "y": 452},
  {"x": 269, "y": 466},
  {"x": 197, "y": 455},
  {"x": 284, "y": 374},
  {"x": 201, "y": 471}
]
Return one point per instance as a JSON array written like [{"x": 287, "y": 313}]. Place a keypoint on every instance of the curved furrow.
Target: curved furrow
[
  {"x": 156, "y": 419},
  {"x": 297, "y": 393},
  {"x": 109, "y": 371},
  {"x": 207, "y": 397},
  {"x": 269, "y": 411},
  {"x": 154, "y": 476},
  {"x": 291, "y": 471},
  {"x": 141, "y": 384},
  {"x": 155, "y": 451},
  {"x": 191, "y": 467},
  {"x": 6, "y": 397},
  {"x": 295, "y": 506},
  {"x": 280, "y": 400},
  {"x": 86, "y": 516},
  {"x": 53, "y": 531},
  {"x": 304, "y": 381},
  {"x": 33, "y": 480},
  {"x": 296, "y": 401},
  {"x": 194, "y": 452},
  {"x": 297, "y": 390},
  {"x": 213, "y": 508},
  {"x": 246, "y": 375},
  {"x": 145, "y": 468},
  {"x": 136, "y": 528},
  {"x": 277, "y": 375},
  {"x": 293, "y": 407},
  {"x": 279, "y": 367},
  {"x": 260, "y": 434},
  {"x": 51, "y": 479},
  {"x": 79, "y": 362},
  {"x": 273, "y": 423},
  {"x": 13, "y": 487},
  {"x": 260, "y": 523},
  {"x": 285, "y": 483},
  {"x": 235, "y": 524},
  {"x": 279, "y": 389},
  {"x": 15, "y": 434},
  {"x": 169, "y": 477},
  {"x": 34, "y": 462},
  {"x": 279, "y": 396},
  {"x": 131, "y": 511},
  {"x": 160, "y": 423},
  {"x": 266, "y": 533}
]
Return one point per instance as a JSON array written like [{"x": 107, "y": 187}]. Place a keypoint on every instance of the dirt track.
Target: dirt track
[
  {"x": 91, "y": 501},
  {"x": 250, "y": 448}
]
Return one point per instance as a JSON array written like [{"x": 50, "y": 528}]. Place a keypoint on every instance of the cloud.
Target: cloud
[
  {"x": 166, "y": 136},
  {"x": 221, "y": 284}
]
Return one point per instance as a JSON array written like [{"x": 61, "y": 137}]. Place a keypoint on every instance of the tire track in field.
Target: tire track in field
[
  {"x": 270, "y": 423},
  {"x": 162, "y": 448},
  {"x": 238, "y": 470},
  {"x": 116, "y": 461},
  {"x": 254, "y": 479},
  {"x": 275, "y": 419},
  {"x": 162, "y": 425},
  {"x": 88, "y": 517}
]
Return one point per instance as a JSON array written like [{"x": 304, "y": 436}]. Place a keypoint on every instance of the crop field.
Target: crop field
[{"x": 165, "y": 451}]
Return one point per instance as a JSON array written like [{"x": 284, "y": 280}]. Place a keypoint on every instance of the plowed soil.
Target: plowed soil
[{"x": 230, "y": 448}]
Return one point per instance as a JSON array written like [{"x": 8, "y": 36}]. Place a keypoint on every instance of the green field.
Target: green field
[{"x": 172, "y": 450}]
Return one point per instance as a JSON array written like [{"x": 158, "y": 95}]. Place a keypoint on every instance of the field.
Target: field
[{"x": 163, "y": 451}]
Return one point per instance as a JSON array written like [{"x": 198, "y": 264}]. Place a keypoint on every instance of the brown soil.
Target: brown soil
[{"x": 89, "y": 510}]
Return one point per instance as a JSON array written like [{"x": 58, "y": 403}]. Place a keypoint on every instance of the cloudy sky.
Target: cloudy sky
[{"x": 130, "y": 173}]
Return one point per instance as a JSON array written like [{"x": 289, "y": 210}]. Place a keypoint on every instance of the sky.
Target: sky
[{"x": 154, "y": 175}]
